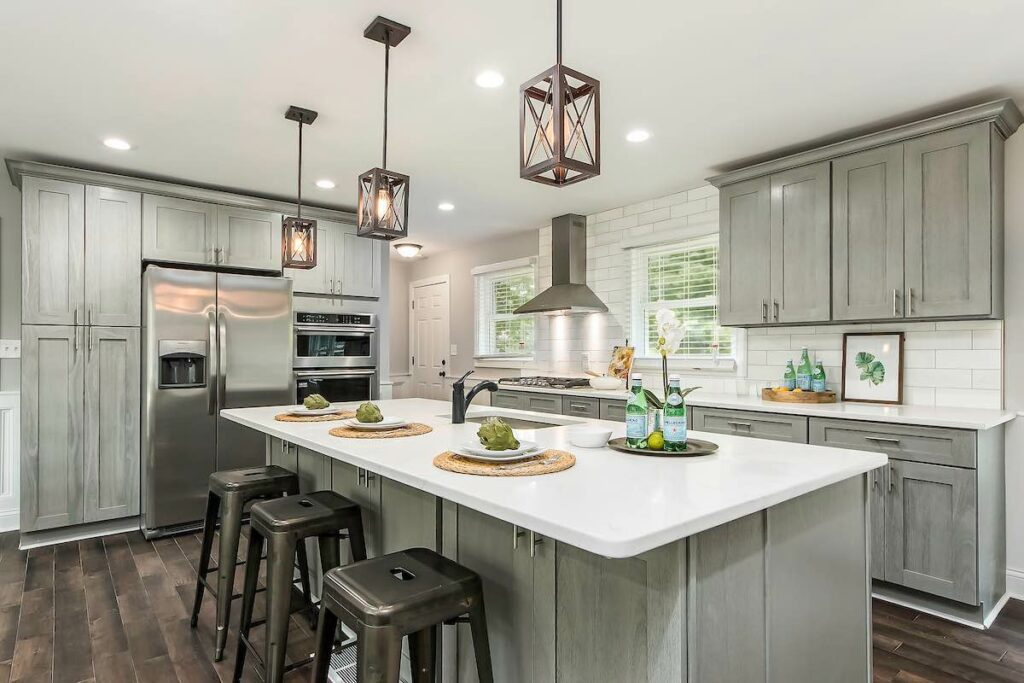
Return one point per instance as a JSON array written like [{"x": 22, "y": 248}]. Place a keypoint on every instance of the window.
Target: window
[
  {"x": 500, "y": 290},
  {"x": 682, "y": 277}
]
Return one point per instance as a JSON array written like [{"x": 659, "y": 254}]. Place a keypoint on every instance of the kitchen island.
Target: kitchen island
[{"x": 748, "y": 563}]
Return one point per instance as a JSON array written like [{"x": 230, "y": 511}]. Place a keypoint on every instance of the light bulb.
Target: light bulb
[
  {"x": 407, "y": 249},
  {"x": 383, "y": 204}
]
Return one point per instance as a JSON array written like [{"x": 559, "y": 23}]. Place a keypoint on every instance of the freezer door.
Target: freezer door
[
  {"x": 254, "y": 317},
  {"x": 179, "y": 418}
]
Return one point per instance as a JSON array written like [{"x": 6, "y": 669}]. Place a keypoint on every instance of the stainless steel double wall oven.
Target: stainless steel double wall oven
[{"x": 336, "y": 356}]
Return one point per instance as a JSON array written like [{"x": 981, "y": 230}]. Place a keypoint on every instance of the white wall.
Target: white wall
[{"x": 10, "y": 277}]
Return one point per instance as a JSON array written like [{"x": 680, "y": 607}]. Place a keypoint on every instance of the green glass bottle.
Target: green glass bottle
[
  {"x": 675, "y": 417},
  {"x": 818, "y": 378},
  {"x": 636, "y": 414},
  {"x": 789, "y": 376},
  {"x": 803, "y": 371}
]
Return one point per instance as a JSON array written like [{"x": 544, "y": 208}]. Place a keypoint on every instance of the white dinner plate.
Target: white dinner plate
[
  {"x": 386, "y": 423},
  {"x": 303, "y": 410},
  {"x": 476, "y": 450}
]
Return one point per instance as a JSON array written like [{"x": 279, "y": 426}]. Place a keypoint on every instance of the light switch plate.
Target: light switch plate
[
  {"x": 454, "y": 351},
  {"x": 10, "y": 348}
]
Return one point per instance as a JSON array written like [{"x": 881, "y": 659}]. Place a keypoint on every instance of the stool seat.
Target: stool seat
[
  {"x": 412, "y": 586},
  {"x": 311, "y": 513},
  {"x": 253, "y": 481}
]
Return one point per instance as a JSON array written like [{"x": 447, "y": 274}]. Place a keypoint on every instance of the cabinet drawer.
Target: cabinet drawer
[
  {"x": 613, "y": 410},
  {"x": 956, "y": 447},
  {"x": 540, "y": 403},
  {"x": 507, "y": 399},
  {"x": 753, "y": 424},
  {"x": 580, "y": 406}
]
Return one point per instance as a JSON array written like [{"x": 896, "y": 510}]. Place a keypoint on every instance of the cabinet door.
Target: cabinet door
[
  {"x": 800, "y": 250},
  {"x": 53, "y": 252},
  {"x": 948, "y": 195},
  {"x": 541, "y": 403},
  {"x": 867, "y": 235},
  {"x": 878, "y": 494},
  {"x": 508, "y": 399},
  {"x": 613, "y": 410},
  {"x": 52, "y": 426},
  {"x": 409, "y": 517},
  {"x": 361, "y": 265},
  {"x": 178, "y": 230},
  {"x": 248, "y": 239},
  {"x": 362, "y": 488},
  {"x": 744, "y": 259},
  {"x": 314, "y": 280},
  {"x": 112, "y": 423},
  {"x": 113, "y": 257},
  {"x": 580, "y": 406},
  {"x": 931, "y": 541},
  {"x": 314, "y": 472}
]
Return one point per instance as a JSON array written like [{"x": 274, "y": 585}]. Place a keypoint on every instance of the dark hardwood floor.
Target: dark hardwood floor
[{"x": 117, "y": 609}]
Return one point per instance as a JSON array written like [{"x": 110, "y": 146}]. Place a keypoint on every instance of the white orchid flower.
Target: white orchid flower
[{"x": 670, "y": 331}]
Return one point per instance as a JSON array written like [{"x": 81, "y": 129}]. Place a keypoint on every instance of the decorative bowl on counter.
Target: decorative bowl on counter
[
  {"x": 605, "y": 383},
  {"x": 589, "y": 437}
]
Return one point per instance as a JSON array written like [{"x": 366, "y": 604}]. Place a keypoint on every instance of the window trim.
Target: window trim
[{"x": 493, "y": 271}]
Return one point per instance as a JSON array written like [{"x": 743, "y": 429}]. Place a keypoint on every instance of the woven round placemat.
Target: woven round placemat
[
  {"x": 411, "y": 429},
  {"x": 543, "y": 463},
  {"x": 288, "y": 417}
]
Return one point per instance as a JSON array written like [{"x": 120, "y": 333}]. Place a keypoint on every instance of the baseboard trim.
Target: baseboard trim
[
  {"x": 1015, "y": 583},
  {"x": 10, "y": 520},
  {"x": 38, "y": 539}
]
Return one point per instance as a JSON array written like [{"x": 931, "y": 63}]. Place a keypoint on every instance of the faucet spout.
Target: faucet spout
[{"x": 461, "y": 400}]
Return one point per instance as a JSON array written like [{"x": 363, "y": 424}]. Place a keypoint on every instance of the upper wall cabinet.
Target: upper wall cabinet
[
  {"x": 113, "y": 257},
  {"x": 247, "y": 238},
  {"x": 360, "y": 265},
  {"x": 346, "y": 264},
  {"x": 906, "y": 223}
]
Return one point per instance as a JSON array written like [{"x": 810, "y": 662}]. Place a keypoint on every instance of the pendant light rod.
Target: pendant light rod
[
  {"x": 303, "y": 117},
  {"x": 558, "y": 30},
  {"x": 298, "y": 211},
  {"x": 387, "y": 71}
]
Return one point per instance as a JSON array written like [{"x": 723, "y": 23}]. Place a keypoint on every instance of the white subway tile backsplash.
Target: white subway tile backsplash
[
  {"x": 827, "y": 341},
  {"x": 951, "y": 378},
  {"x": 629, "y": 221},
  {"x": 987, "y": 379},
  {"x": 690, "y": 208},
  {"x": 639, "y": 207},
  {"x": 671, "y": 200},
  {"x": 703, "y": 191},
  {"x": 608, "y": 215},
  {"x": 970, "y": 325},
  {"x": 919, "y": 396},
  {"x": 655, "y": 215},
  {"x": 940, "y": 339},
  {"x": 768, "y": 343},
  {"x": 920, "y": 358},
  {"x": 988, "y": 339},
  {"x": 969, "y": 360},
  {"x": 969, "y": 398}
]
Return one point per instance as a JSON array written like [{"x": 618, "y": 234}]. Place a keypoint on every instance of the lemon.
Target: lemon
[{"x": 656, "y": 441}]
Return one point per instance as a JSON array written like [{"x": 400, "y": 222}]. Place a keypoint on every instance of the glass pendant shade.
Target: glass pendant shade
[
  {"x": 298, "y": 242},
  {"x": 383, "y": 205}
]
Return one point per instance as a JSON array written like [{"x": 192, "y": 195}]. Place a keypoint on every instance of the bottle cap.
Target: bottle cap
[{"x": 636, "y": 376}]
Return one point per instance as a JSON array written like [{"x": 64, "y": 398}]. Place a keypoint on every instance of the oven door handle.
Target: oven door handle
[
  {"x": 320, "y": 329},
  {"x": 303, "y": 374}
]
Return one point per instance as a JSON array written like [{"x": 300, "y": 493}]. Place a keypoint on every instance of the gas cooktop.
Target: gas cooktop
[{"x": 546, "y": 382}]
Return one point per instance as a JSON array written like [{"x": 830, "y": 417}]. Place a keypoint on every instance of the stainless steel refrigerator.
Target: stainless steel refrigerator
[{"x": 210, "y": 341}]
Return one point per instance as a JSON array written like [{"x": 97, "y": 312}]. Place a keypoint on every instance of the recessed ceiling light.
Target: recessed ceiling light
[
  {"x": 407, "y": 250},
  {"x": 325, "y": 184},
  {"x": 638, "y": 135},
  {"x": 118, "y": 144},
  {"x": 489, "y": 79},
  {"x": 445, "y": 206}
]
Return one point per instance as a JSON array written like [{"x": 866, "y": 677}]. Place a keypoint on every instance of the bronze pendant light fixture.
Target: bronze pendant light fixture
[
  {"x": 560, "y": 123},
  {"x": 384, "y": 194},
  {"x": 298, "y": 234}
]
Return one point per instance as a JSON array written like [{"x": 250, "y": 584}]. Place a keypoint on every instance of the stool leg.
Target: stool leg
[
  {"x": 280, "y": 570},
  {"x": 209, "y": 528},
  {"x": 423, "y": 654},
  {"x": 307, "y": 595},
  {"x": 252, "y": 575},
  {"x": 481, "y": 644},
  {"x": 325, "y": 630},
  {"x": 230, "y": 530},
  {"x": 356, "y": 538},
  {"x": 330, "y": 552},
  {"x": 379, "y": 656}
]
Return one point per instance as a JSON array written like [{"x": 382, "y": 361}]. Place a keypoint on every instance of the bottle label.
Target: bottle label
[
  {"x": 817, "y": 385},
  {"x": 675, "y": 428},
  {"x": 789, "y": 383},
  {"x": 636, "y": 426},
  {"x": 674, "y": 399},
  {"x": 803, "y": 381}
]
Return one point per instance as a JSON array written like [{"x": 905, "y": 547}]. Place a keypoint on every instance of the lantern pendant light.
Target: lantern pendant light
[
  {"x": 298, "y": 234},
  {"x": 384, "y": 194},
  {"x": 560, "y": 123}
]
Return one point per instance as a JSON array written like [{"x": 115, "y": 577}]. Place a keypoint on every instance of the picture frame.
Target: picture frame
[{"x": 873, "y": 367}]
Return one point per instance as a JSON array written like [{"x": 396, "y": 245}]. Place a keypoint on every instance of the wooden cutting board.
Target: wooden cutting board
[{"x": 769, "y": 394}]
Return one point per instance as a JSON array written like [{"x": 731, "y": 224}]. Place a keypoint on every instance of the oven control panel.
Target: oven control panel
[{"x": 334, "y": 319}]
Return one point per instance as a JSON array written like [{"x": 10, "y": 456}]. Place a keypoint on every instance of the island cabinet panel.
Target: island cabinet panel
[
  {"x": 53, "y": 253},
  {"x": 248, "y": 238},
  {"x": 745, "y": 276},
  {"x": 314, "y": 472},
  {"x": 113, "y": 257},
  {"x": 362, "y": 488},
  {"x": 178, "y": 230},
  {"x": 409, "y": 518},
  {"x": 949, "y": 223},
  {"x": 931, "y": 533},
  {"x": 867, "y": 235}
]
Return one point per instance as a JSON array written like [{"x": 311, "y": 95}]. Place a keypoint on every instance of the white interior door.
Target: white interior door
[{"x": 430, "y": 345}]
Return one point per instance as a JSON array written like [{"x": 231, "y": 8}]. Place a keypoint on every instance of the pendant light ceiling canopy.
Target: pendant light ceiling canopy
[
  {"x": 298, "y": 234},
  {"x": 384, "y": 194},
  {"x": 560, "y": 123}
]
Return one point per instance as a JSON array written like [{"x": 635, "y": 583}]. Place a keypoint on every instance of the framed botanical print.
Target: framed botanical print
[{"x": 873, "y": 367}]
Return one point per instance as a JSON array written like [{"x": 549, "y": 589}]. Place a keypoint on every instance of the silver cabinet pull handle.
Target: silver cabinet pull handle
[
  {"x": 74, "y": 331},
  {"x": 882, "y": 439},
  {"x": 910, "y": 300},
  {"x": 892, "y": 476},
  {"x": 360, "y": 476},
  {"x": 368, "y": 477},
  {"x": 517, "y": 533},
  {"x": 75, "y": 320},
  {"x": 895, "y": 312},
  {"x": 764, "y": 310},
  {"x": 775, "y": 303},
  {"x": 739, "y": 424},
  {"x": 535, "y": 541}
]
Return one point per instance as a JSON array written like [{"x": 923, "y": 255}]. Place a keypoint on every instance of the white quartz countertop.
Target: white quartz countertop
[
  {"x": 928, "y": 416},
  {"x": 610, "y": 503}
]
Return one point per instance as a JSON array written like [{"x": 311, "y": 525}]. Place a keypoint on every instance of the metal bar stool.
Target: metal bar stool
[
  {"x": 283, "y": 524},
  {"x": 230, "y": 492},
  {"x": 409, "y": 593}
]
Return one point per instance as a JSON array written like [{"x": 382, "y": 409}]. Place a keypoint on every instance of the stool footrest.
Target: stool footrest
[{"x": 456, "y": 620}]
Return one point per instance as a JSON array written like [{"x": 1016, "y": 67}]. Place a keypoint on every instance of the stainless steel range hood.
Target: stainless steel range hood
[{"x": 568, "y": 292}]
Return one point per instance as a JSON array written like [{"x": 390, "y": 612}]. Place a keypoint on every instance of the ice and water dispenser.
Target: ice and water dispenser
[{"x": 182, "y": 364}]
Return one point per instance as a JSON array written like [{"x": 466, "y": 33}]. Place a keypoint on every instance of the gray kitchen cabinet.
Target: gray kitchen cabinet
[
  {"x": 178, "y": 230},
  {"x": 113, "y": 257},
  {"x": 879, "y": 481},
  {"x": 758, "y": 425},
  {"x": 953, "y": 245},
  {"x": 508, "y": 399},
  {"x": 936, "y": 445},
  {"x": 361, "y": 265},
  {"x": 613, "y": 410},
  {"x": 112, "y": 423},
  {"x": 543, "y": 403},
  {"x": 248, "y": 238},
  {"x": 581, "y": 406},
  {"x": 314, "y": 472},
  {"x": 53, "y": 252},
  {"x": 52, "y": 426},
  {"x": 931, "y": 540},
  {"x": 315, "y": 280},
  {"x": 363, "y": 488},
  {"x": 409, "y": 517},
  {"x": 744, "y": 260},
  {"x": 800, "y": 245},
  {"x": 867, "y": 235}
]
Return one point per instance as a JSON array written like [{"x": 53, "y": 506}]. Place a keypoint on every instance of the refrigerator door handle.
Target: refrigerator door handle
[
  {"x": 222, "y": 359},
  {"x": 212, "y": 375}
]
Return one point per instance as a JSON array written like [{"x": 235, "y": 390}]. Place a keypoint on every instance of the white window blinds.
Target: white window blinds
[{"x": 498, "y": 293}]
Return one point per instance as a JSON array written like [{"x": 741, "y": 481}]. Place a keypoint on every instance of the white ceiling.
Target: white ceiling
[{"x": 200, "y": 87}]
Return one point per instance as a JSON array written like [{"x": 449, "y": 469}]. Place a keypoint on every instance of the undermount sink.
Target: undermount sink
[{"x": 515, "y": 422}]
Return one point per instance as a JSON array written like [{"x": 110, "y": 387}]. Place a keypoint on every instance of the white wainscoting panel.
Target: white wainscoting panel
[{"x": 10, "y": 423}]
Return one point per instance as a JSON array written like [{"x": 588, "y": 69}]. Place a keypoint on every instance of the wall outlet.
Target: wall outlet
[
  {"x": 585, "y": 360},
  {"x": 453, "y": 351},
  {"x": 10, "y": 348}
]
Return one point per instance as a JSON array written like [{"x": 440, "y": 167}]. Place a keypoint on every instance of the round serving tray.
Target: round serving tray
[{"x": 694, "y": 447}]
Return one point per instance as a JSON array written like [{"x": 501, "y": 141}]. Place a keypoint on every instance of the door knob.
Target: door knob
[{"x": 442, "y": 374}]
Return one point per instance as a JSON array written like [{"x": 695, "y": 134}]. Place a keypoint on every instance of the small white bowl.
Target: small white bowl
[
  {"x": 589, "y": 437},
  {"x": 605, "y": 383}
]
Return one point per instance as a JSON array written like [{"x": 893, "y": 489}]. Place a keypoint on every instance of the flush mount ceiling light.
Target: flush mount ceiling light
[
  {"x": 445, "y": 206},
  {"x": 384, "y": 194},
  {"x": 638, "y": 135},
  {"x": 559, "y": 123},
  {"x": 118, "y": 144},
  {"x": 490, "y": 79},
  {"x": 408, "y": 249},
  {"x": 325, "y": 184},
  {"x": 298, "y": 234}
]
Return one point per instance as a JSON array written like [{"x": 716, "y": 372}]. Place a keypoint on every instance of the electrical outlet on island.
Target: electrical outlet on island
[{"x": 10, "y": 348}]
